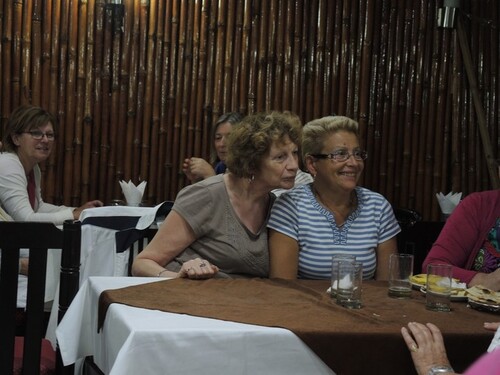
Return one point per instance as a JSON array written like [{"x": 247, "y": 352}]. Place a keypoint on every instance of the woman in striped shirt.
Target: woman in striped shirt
[{"x": 331, "y": 215}]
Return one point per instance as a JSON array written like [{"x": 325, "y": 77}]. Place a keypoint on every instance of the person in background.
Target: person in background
[
  {"x": 28, "y": 140},
  {"x": 217, "y": 227},
  {"x": 197, "y": 169},
  {"x": 333, "y": 214},
  {"x": 428, "y": 352},
  {"x": 470, "y": 241}
]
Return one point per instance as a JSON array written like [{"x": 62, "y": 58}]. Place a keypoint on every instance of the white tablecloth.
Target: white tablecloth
[
  {"x": 141, "y": 341},
  {"x": 101, "y": 254}
]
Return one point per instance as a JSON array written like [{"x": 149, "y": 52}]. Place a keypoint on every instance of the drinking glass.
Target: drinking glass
[
  {"x": 438, "y": 287},
  {"x": 400, "y": 273},
  {"x": 349, "y": 283},
  {"x": 335, "y": 269}
]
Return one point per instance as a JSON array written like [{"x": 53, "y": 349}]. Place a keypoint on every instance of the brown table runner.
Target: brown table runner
[{"x": 349, "y": 341}]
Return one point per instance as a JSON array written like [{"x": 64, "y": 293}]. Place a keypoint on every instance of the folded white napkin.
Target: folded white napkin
[
  {"x": 344, "y": 283},
  {"x": 448, "y": 202},
  {"x": 133, "y": 194}
]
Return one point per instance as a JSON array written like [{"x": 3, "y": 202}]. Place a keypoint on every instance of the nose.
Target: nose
[{"x": 294, "y": 163}]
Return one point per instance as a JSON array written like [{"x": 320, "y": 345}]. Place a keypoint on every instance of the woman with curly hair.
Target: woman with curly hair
[{"x": 217, "y": 227}]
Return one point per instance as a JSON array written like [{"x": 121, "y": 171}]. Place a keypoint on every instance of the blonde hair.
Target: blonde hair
[{"x": 316, "y": 131}]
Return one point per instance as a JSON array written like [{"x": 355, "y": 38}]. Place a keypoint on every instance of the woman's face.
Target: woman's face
[
  {"x": 221, "y": 134},
  {"x": 279, "y": 167},
  {"x": 31, "y": 150},
  {"x": 339, "y": 175}
]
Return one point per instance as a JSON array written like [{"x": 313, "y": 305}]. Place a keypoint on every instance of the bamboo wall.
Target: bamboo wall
[{"x": 137, "y": 89}]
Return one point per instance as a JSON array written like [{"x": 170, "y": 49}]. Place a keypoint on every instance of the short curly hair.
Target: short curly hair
[
  {"x": 23, "y": 119},
  {"x": 316, "y": 131},
  {"x": 250, "y": 140}
]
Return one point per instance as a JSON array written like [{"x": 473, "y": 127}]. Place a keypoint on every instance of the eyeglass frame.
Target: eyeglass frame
[
  {"x": 38, "y": 135},
  {"x": 362, "y": 156}
]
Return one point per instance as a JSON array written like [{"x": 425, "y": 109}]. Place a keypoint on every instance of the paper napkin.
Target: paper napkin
[
  {"x": 448, "y": 202},
  {"x": 133, "y": 194}
]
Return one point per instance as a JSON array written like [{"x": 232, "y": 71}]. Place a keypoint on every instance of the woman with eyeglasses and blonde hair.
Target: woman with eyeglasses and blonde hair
[
  {"x": 331, "y": 215},
  {"x": 28, "y": 140}
]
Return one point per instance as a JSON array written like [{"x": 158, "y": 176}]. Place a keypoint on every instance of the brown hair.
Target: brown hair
[
  {"x": 24, "y": 119},
  {"x": 251, "y": 139}
]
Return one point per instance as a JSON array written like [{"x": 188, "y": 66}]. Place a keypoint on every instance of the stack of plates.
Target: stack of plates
[{"x": 482, "y": 298}]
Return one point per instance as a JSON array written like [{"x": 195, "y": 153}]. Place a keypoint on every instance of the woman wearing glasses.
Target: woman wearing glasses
[
  {"x": 28, "y": 140},
  {"x": 332, "y": 214}
]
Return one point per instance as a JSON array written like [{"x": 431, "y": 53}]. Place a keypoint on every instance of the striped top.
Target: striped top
[{"x": 299, "y": 215}]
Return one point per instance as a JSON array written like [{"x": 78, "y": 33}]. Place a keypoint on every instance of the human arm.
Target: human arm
[
  {"x": 23, "y": 266},
  {"x": 172, "y": 238},
  {"x": 197, "y": 169},
  {"x": 90, "y": 204},
  {"x": 384, "y": 251},
  {"x": 426, "y": 346},
  {"x": 283, "y": 256}
]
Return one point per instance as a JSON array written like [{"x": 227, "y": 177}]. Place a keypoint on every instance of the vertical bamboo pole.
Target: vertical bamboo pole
[
  {"x": 132, "y": 46},
  {"x": 8, "y": 44},
  {"x": 46, "y": 12},
  {"x": 89, "y": 184},
  {"x": 328, "y": 58},
  {"x": 366, "y": 126},
  {"x": 245, "y": 57},
  {"x": 172, "y": 129},
  {"x": 36, "y": 53},
  {"x": 25, "y": 46},
  {"x": 481, "y": 118},
  {"x": 105, "y": 75},
  {"x": 231, "y": 39},
  {"x": 253, "y": 60},
  {"x": 73, "y": 137},
  {"x": 148, "y": 135},
  {"x": 156, "y": 175}
]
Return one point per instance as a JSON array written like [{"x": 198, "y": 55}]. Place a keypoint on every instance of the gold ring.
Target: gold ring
[{"x": 413, "y": 348}]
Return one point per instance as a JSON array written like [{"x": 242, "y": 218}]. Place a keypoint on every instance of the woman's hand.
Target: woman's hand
[
  {"x": 198, "y": 269},
  {"x": 488, "y": 280},
  {"x": 197, "y": 169},
  {"x": 426, "y": 345},
  {"x": 90, "y": 204}
]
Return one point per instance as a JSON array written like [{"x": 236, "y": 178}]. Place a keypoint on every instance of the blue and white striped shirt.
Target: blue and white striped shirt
[{"x": 299, "y": 215}]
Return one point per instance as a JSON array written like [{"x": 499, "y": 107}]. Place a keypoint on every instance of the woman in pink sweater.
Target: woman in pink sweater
[{"x": 470, "y": 241}]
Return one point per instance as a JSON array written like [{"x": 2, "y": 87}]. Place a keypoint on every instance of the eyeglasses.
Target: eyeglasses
[
  {"x": 343, "y": 155},
  {"x": 38, "y": 135}
]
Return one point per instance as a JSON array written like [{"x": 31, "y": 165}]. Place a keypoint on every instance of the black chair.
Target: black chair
[
  {"x": 416, "y": 236},
  {"x": 38, "y": 237},
  {"x": 406, "y": 217}
]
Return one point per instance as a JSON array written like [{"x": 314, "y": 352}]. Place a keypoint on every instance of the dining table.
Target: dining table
[{"x": 251, "y": 326}]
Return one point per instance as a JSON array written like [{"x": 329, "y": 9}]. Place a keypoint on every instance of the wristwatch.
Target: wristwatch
[{"x": 440, "y": 370}]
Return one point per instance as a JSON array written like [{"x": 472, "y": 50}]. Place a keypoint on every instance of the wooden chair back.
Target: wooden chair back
[{"x": 38, "y": 237}]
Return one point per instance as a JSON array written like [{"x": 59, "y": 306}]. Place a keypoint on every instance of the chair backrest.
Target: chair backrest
[{"x": 38, "y": 237}]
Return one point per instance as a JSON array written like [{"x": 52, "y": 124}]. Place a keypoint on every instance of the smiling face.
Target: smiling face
[
  {"x": 32, "y": 151},
  {"x": 339, "y": 176},
  {"x": 279, "y": 167},
  {"x": 220, "y": 138}
]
